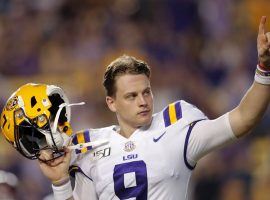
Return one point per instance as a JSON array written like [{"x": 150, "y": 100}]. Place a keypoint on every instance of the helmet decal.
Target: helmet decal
[
  {"x": 33, "y": 101},
  {"x": 12, "y": 103},
  {"x": 5, "y": 120}
]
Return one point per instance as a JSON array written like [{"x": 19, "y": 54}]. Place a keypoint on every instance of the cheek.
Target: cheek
[
  {"x": 126, "y": 108},
  {"x": 150, "y": 100},
  {"x": 128, "y": 113}
]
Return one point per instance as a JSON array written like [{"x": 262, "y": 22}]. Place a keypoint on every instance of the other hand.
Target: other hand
[{"x": 263, "y": 44}]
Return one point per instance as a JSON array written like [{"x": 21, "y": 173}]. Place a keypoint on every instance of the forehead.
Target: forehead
[{"x": 131, "y": 83}]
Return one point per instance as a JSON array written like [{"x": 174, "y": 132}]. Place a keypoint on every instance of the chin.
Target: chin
[{"x": 145, "y": 121}]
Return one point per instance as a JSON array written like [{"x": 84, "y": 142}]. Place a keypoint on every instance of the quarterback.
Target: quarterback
[{"x": 146, "y": 156}]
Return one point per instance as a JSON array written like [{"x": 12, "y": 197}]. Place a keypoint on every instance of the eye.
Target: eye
[
  {"x": 131, "y": 96},
  {"x": 147, "y": 92}
]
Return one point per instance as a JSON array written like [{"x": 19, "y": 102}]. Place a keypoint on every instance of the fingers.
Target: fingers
[
  {"x": 51, "y": 162},
  {"x": 67, "y": 150},
  {"x": 268, "y": 37},
  {"x": 65, "y": 159},
  {"x": 46, "y": 158},
  {"x": 67, "y": 156},
  {"x": 262, "y": 25},
  {"x": 46, "y": 155},
  {"x": 263, "y": 41},
  {"x": 264, "y": 44}
]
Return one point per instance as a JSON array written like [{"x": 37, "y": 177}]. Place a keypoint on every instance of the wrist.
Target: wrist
[
  {"x": 263, "y": 67},
  {"x": 262, "y": 75},
  {"x": 61, "y": 181},
  {"x": 62, "y": 192}
]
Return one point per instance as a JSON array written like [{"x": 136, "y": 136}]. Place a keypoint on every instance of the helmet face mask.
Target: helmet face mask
[
  {"x": 30, "y": 139},
  {"x": 27, "y": 120}
]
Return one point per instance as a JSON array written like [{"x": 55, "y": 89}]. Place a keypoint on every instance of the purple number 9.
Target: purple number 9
[{"x": 140, "y": 190}]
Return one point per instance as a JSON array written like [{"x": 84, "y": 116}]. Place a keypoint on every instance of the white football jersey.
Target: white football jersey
[{"x": 151, "y": 164}]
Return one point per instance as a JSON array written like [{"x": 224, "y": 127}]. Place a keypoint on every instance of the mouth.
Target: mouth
[{"x": 144, "y": 112}]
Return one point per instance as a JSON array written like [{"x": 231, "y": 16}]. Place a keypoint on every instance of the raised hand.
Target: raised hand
[{"x": 263, "y": 45}]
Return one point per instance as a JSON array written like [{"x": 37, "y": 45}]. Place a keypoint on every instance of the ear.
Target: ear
[{"x": 111, "y": 103}]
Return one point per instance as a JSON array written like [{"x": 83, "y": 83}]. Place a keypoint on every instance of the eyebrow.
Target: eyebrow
[
  {"x": 148, "y": 88},
  {"x": 129, "y": 93}
]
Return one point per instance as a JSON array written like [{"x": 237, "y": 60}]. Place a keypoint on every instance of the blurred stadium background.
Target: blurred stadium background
[{"x": 201, "y": 51}]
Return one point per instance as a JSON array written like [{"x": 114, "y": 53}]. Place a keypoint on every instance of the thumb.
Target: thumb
[{"x": 67, "y": 156}]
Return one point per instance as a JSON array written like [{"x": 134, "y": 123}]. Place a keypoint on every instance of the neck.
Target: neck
[{"x": 126, "y": 132}]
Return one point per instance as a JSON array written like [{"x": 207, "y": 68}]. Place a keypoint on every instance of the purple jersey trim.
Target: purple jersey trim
[
  {"x": 178, "y": 110},
  {"x": 166, "y": 117},
  {"x": 189, "y": 166},
  {"x": 166, "y": 114},
  {"x": 86, "y": 136},
  {"x": 74, "y": 169}
]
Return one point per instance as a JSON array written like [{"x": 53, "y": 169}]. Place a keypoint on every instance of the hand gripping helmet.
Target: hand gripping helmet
[{"x": 37, "y": 117}]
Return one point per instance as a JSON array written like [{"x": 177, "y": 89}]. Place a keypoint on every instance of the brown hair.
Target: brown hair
[{"x": 123, "y": 65}]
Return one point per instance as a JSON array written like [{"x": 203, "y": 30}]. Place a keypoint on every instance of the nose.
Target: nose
[{"x": 141, "y": 100}]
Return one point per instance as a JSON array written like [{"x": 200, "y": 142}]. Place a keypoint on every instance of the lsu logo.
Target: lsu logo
[
  {"x": 12, "y": 103},
  {"x": 130, "y": 157},
  {"x": 129, "y": 146}
]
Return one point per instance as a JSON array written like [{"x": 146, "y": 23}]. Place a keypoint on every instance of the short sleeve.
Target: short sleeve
[{"x": 84, "y": 188}]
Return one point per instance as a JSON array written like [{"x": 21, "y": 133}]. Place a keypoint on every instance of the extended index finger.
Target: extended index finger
[{"x": 262, "y": 25}]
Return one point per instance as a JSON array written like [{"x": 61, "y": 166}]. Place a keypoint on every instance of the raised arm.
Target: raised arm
[{"x": 254, "y": 104}]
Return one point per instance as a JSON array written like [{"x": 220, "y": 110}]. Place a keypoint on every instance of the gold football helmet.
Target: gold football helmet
[{"x": 37, "y": 117}]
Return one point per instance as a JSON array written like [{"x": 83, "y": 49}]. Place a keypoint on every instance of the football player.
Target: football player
[{"x": 145, "y": 156}]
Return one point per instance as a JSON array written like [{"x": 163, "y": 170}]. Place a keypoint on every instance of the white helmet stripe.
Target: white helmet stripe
[{"x": 59, "y": 111}]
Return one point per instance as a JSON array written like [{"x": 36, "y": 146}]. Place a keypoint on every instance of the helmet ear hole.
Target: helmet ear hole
[{"x": 56, "y": 100}]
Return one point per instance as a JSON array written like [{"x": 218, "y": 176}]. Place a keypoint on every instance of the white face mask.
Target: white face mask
[
  {"x": 50, "y": 139},
  {"x": 58, "y": 138},
  {"x": 56, "y": 119}
]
